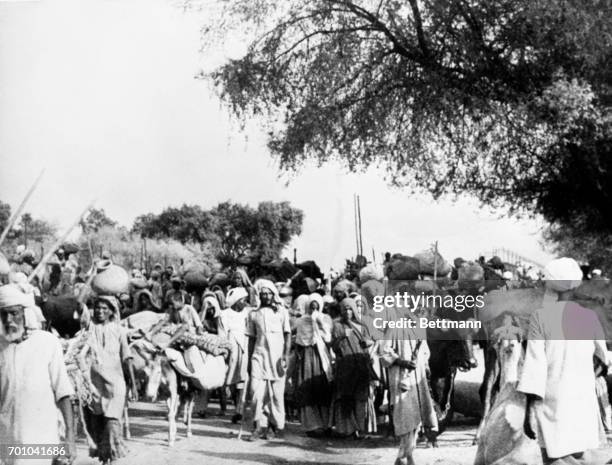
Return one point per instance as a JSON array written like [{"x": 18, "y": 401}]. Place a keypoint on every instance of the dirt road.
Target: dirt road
[{"x": 214, "y": 441}]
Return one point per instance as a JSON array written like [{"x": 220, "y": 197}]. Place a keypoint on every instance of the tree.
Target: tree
[
  {"x": 189, "y": 223},
  {"x": 230, "y": 230},
  {"x": 35, "y": 229},
  {"x": 95, "y": 220},
  {"x": 506, "y": 100},
  {"x": 261, "y": 233},
  {"x": 583, "y": 245},
  {"x": 5, "y": 214}
]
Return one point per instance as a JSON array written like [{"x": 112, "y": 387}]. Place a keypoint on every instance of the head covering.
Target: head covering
[
  {"x": 11, "y": 295},
  {"x": 234, "y": 295},
  {"x": 267, "y": 284},
  {"x": 111, "y": 301},
  {"x": 350, "y": 303},
  {"x": 563, "y": 274},
  {"x": 209, "y": 299},
  {"x": 244, "y": 277},
  {"x": 315, "y": 297},
  {"x": 301, "y": 303},
  {"x": 328, "y": 299},
  {"x": 137, "y": 299},
  {"x": 596, "y": 272},
  {"x": 344, "y": 286}
]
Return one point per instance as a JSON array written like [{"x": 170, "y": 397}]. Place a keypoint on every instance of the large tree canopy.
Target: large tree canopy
[
  {"x": 506, "y": 100},
  {"x": 231, "y": 230}
]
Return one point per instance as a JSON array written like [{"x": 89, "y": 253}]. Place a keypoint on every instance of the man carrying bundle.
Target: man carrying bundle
[
  {"x": 269, "y": 344},
  {"x": 33, "y": 382}
]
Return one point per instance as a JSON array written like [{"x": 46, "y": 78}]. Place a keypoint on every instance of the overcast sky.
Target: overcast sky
[{"x": 102, "y": 94}]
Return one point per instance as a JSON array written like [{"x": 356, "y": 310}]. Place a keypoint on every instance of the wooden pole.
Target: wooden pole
[
  {"x": 356, "y": 226},
  {"x": 359, "y": 218},
  {"x": 59, "y": 242},
  {"x": 17, "y": 212}
]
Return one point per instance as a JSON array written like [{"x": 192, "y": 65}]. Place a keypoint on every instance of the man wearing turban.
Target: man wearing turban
[
  {"x": 269, "y": 344},
  {"x": 34, "y": 382},
  {"x": 558, "y": 376}
]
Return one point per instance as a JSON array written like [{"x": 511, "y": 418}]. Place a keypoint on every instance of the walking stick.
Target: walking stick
[
  {"x": 17, "y": 212},
  {"x": 47, "y": 257},
  {"x": 247, "y": 385}
]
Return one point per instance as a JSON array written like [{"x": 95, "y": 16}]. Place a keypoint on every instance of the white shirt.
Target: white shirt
[{"x": 33, "y": 378}]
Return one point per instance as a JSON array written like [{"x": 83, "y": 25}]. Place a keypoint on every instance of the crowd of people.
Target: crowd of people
[{"x": 311, "y": 352}]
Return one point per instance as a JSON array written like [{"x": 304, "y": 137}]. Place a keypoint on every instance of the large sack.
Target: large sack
[
  {"x": 427, "y": 260},
  {"x": 196, "y": 274},
  {"x": 142, "y": 320},
  {"x": 371, "y": 271},
  {"x": 111, "y": 279},
  {"x": 470, "y": 276},
  {"x": 208, "y": 372},
  {"x": 403, "y": 268}
]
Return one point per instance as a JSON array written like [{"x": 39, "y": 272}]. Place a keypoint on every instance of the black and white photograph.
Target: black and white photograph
[{"x": 305, "y": 232}]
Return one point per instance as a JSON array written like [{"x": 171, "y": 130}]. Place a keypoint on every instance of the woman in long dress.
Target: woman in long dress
[
  {"x": 352, "y": 408},
  {"x": 314, "y": 371},
  {"x": 110, "y": 353}
]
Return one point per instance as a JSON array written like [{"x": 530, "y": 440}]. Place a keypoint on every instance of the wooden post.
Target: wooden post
[
  {"x": 359, "y": 217},
  {"x": 356, "y": 226},
  {"x": 295, "y": 256}
]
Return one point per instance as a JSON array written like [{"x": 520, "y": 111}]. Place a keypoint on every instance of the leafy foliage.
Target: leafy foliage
[
  {"x": 127, "y": 249},
  {"x": 5, "y": 214},
  {"x": 231, "y": 230},
  {"x": 95, "y": 220},
  {"x": 506, "y": 100},
  {"x": 185, "y": 224},
  {"x": 262, "y": 232}
]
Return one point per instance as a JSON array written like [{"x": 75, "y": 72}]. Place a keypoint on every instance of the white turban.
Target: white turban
[
  {"x": 316, "y": 297},
  {"x": 563, "y": 274},
  {"x": 234, "y": 295},
  {"x": 267, "y": 284},
  {"x": 11, "y": 295}
]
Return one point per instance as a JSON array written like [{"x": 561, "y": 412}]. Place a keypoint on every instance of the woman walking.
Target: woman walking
[
  {"x": 110, "y": 353},
  {"x": 353, "y": 408},
  {"x": 314, "y": 372}
]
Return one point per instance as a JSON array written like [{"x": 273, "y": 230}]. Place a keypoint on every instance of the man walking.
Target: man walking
[
  {"x": 269, "y": 344},
  {"x": 558, "y": 376},
  {"x": 33, "y": 382}
]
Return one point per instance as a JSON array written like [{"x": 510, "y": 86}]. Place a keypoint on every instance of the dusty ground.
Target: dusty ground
[{"x": 215, "y": 441}]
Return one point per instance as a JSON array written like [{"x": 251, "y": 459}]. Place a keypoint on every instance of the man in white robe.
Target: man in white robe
[
  {"x": 33, "y": 383},
  {"x": 558, "y": 376}
]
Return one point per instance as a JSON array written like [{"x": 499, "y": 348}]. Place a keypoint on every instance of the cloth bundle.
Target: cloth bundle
[
  {"x": 209, "y": 343},
  {"x": 76, "y": 367}
]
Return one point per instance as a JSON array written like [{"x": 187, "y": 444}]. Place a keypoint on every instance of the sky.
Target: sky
[{"x": 102, "y": 94}]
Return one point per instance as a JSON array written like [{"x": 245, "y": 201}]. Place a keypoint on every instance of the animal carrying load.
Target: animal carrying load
[
  {"x": 403, "y": 268},
  {"x": 429, "y": 260},
  {"x": 208, "y": 371},
  {"x": 209, "y": 343},
  {"x": 110, "y": 279},
  {"x": 517, "y": 302}
]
